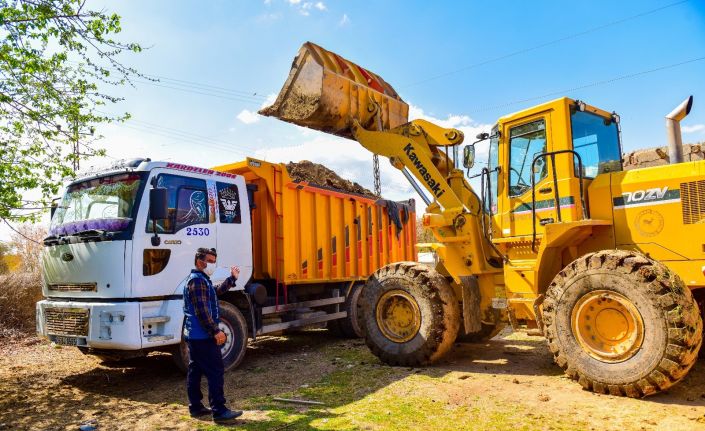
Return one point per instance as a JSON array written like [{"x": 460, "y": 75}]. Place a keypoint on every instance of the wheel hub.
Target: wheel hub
[
  {"x": 607, "y": 325},
  {"x": 398, "y": 316},
  {"x": 229, "y": 342}
]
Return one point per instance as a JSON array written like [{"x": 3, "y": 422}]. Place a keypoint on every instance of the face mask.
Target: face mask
[{"x": 209, "y": 269}]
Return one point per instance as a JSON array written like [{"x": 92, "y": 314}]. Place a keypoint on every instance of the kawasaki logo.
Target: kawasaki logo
[{"x": 434, "y": 186}]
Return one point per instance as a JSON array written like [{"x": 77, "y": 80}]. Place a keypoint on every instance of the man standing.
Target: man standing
[{"x": 204, "y": 338}]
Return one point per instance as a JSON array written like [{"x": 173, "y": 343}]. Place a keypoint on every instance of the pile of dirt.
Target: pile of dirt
[
  {"x": 659, "y": 156},
  {"x": 320, "y": 175}
]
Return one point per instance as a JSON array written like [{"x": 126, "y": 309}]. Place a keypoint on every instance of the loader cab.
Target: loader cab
[{"x": 541, "y": 162}]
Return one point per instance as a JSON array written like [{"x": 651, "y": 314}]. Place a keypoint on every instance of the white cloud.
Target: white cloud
[
  {"x": 248, "y": 117},
  {"x": 347, "y": 158},
  {"x": 694, "y": 128},
  {"x": 305, "y": 7},
  {"x": 344, "y": 21},
  {"x": 464, "y": 123},
  {"x": 271, "y": 97}
]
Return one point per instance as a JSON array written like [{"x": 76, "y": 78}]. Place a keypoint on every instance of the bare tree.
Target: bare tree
[{"x": 27, "y": 244}]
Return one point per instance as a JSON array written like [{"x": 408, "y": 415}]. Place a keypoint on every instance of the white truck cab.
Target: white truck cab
[{"x": 112, "y": 285}]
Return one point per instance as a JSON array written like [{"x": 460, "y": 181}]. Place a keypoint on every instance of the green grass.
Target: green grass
[{"x": 362, "y": 394}]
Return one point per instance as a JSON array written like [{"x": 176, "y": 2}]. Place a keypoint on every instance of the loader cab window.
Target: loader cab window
[
  {"x": 526, "y": 142},
  {"x": 188, "y": 203},
  {"x": 493, "y": 163},
  {"x": 596, "y": 139}
]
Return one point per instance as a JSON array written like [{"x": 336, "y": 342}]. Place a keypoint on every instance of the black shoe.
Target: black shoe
[
  {"x": 200, "y": 412},
  {"x": 226, "y": 415}
]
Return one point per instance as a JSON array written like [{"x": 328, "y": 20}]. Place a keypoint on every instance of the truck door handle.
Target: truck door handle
[{"x": 545, "y": 190}]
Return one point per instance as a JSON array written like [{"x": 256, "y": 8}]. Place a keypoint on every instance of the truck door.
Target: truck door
[
  {"x": 234, "y": 230},
  {"x": 191, "y": 224},
  {"x": 527, "y": 139}
]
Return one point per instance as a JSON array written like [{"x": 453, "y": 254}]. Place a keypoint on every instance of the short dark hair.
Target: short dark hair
[{"x": 202, "y": 252}]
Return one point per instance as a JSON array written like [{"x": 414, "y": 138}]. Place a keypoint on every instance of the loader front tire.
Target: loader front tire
[
  {"x": 409, "y": 314},
  {"x": 621, "y": 323}
]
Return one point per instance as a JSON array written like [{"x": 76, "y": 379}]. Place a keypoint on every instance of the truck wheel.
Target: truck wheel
[
  {"x": 348, "y": 327},
  {"x": 409, "y": 314},
  {"x": 234, "y": 325},
  {"x": 487, "y": 332},
  {"x": 623, "y": 324}
]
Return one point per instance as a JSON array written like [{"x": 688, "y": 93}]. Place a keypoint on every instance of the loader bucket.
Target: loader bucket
[{"x": 327, "y": 92}]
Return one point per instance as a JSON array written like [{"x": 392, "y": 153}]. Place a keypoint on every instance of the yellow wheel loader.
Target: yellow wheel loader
[{"x": 607, "y": 264}]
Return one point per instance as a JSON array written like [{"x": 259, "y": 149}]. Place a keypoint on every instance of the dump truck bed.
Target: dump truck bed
[{"x": 307, "y": 233}]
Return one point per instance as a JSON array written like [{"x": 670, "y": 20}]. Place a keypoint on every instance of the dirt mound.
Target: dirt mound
[
  {"x": 320, "y": 175},
  {"x": 659, "y": 156}
]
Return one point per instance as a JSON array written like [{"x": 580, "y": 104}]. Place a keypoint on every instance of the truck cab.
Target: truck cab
[{"x": 108, "y": 284}]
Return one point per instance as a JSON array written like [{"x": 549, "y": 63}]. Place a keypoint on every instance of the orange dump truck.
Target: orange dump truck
[{"x": 123, "y": 240}]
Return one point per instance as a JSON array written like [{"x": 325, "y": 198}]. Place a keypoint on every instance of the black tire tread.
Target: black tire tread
[
  {"x": 667, "y": 290},
  {"x": 443, "y": 298}
]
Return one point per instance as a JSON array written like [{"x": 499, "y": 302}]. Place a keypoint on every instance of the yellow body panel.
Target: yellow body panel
[{"x": 303, "y": 233}]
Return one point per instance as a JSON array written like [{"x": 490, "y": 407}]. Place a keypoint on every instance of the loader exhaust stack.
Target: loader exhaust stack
[
  {"x": 673, "y": 130},
  {"x": 326, "y": 92}
]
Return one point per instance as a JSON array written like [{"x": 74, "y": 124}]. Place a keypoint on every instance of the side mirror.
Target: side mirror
[
  {"x": 158, "y": 210},
  {"x": 469, "y": 156},
  {"x": 54, "y": 206},
  {"x": 158, "y": 204}
]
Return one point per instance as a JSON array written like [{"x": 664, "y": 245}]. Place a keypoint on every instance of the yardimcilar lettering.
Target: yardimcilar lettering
[{"x": 432, "y": 184}]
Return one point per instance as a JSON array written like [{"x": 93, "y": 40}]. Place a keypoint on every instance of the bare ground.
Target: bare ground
[{"x": 507, "y": 383}]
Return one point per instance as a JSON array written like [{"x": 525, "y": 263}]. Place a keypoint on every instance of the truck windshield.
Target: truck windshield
[
  {"x": 104, "y": 204},
  {"x": 596, "y": 139}
]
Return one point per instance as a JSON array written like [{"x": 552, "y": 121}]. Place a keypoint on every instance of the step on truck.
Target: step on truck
[{"x": 122, "y": 242}]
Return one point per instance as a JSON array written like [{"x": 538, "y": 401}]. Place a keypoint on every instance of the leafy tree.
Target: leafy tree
[
  {"x": 57, "y": 57},
  {"x": 27, "y": 245}
]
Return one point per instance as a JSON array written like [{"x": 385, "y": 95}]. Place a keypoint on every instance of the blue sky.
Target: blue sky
[{"x": 462, "y": 63}]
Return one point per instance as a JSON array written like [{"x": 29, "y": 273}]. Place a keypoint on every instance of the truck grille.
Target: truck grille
[
  {"x": 74, "y": 287},
  {"x": 693, "y": 201},
  {"x": 66, "y": 321}
]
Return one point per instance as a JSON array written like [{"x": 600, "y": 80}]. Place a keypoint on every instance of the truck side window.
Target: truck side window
[
  {"x": 228, "y": 203},
  {"x": 526, "y": 142},
  {"x": 188, "y": 203}
]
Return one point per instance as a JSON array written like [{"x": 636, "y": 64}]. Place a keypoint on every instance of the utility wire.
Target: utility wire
[
  {"x": 256, "y": 102},
  {"x": 592, "y": 84},
  {"x": 545, "y": 44},
  {"x": 181, "y": 138},
  {"x": 251, "y": 94},
  {"x": 19, "y": 233}
]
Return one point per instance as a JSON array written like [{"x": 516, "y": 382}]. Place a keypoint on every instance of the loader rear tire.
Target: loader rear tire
[
  {"x": 409, "y": 314},
  {"x": 621, "y": 323}
]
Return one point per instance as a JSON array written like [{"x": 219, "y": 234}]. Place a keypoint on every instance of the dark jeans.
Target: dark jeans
[{"x": 205, "y": 359}]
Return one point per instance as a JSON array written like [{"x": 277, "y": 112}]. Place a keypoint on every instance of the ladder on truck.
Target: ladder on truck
[{"x": 278, "y": 236}]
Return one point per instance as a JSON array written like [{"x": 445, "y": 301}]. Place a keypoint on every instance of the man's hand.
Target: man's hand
[
  {"x": 234, "y": 271},
  {"x": 220, "y": 338}
]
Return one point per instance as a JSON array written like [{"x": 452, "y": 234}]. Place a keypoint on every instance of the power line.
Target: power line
[
  {"x": 182, "y": 138},
  {"x": 200, "y": 138},
  {"x": 19, "y": 233},
  {"x": 592, "y": 84},
  {"x": 545, "y": 44},
  {"x": 194, "y": 84},
  {"x": 256, "y": 102}
]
